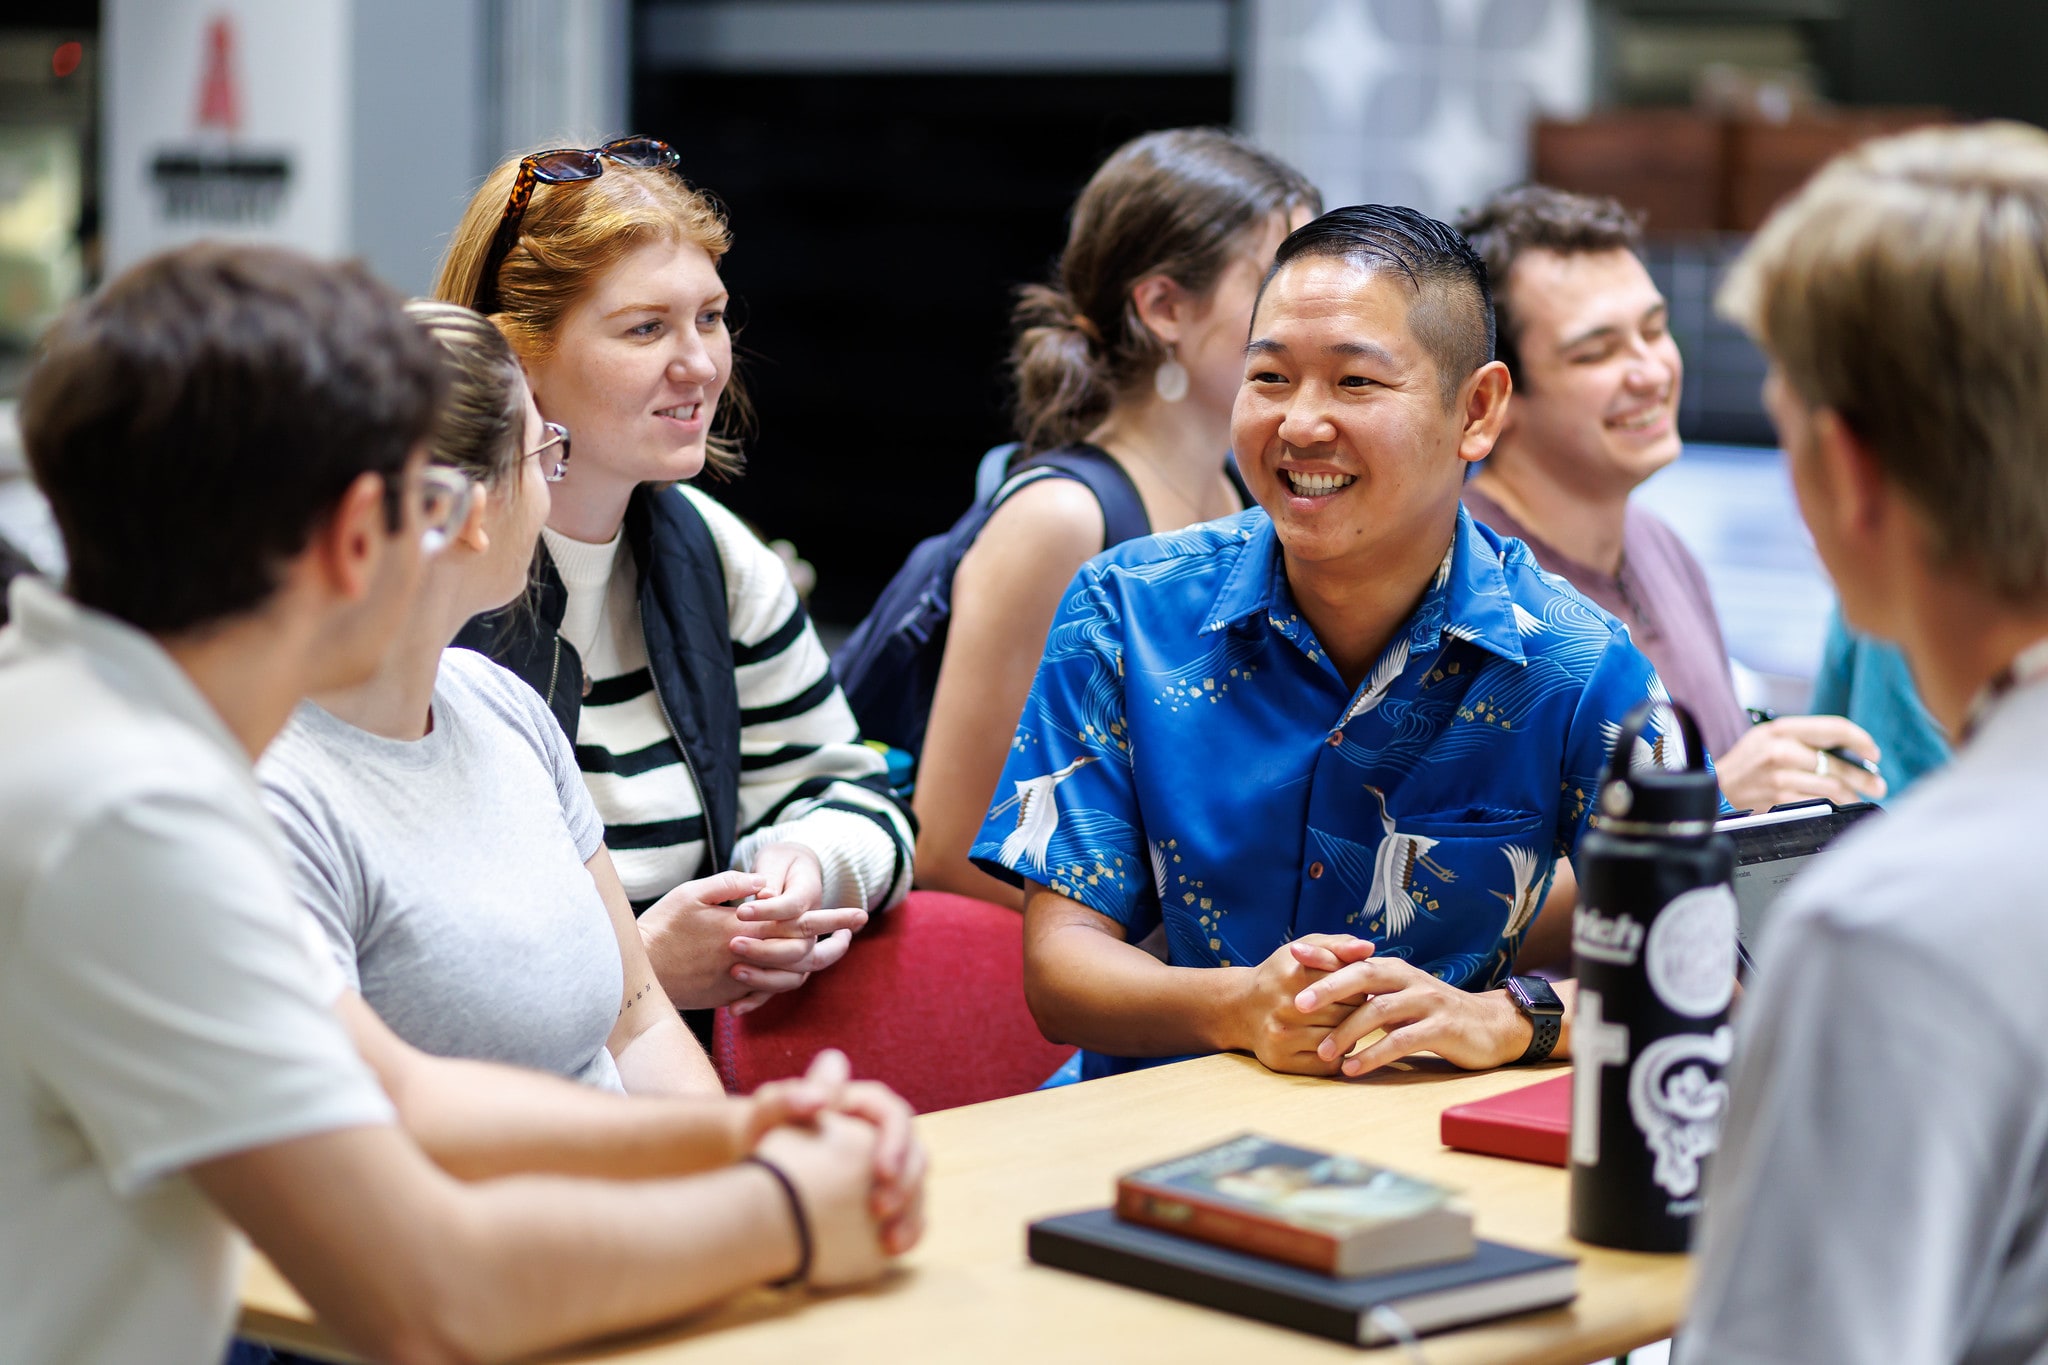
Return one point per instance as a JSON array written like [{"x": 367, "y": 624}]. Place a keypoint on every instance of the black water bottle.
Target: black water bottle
[{"x": 1653, "y": 946}]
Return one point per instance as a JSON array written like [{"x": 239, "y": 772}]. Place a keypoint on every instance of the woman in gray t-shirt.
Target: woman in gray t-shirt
[{"x": 438, "y": 826}]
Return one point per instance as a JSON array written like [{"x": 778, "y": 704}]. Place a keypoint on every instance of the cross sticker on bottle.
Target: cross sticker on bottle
[{"x": 1596, "y": 1045}]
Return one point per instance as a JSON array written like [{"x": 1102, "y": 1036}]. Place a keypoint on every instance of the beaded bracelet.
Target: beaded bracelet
[{"x": 797, "y": 1214}]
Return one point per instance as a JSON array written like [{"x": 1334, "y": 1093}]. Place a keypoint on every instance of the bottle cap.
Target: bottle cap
[{"x": 1642, "y": 792}]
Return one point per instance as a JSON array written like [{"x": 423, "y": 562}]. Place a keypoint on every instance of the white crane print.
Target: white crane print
[
  {"x": 1038, "y": 815},
  {"x": 1522, "y": 865},
  {"x": 1657, "y": 753},
  {"x": 1382, "y": 679},
  {"x": 1393, "y": 871},
  {"x": 1667, "y": 750}
]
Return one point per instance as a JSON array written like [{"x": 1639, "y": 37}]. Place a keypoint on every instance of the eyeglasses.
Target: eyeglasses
[
  {"x": 562, "y": 166},
  {"x": 556, "y": 469},
  {"x": 444, "y": 505}
]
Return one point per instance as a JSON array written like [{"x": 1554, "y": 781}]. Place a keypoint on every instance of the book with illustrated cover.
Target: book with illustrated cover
[
  {"x": 1495, "y": 1281},
  {"x": 1317, "y": 1210}
]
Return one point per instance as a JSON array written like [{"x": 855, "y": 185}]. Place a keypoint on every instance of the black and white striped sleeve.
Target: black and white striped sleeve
[{"x": 805, "y": 777}]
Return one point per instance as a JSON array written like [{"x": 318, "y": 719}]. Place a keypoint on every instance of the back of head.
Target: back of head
[
  {"x": 194, "y": 421},
  {"x": 569, "y": 236},
  {"x": 1178, "y": 203},
  {"x": 1452, "y": 315},
  {"x": 1906, "y": 288},
  {"x": 1539, "y": 218},
  {"x": 481, "y": 422}
]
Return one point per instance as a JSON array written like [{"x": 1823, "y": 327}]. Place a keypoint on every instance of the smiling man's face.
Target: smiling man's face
[
  {"x": 1596, "y": 403},
  {"x": 1341, "y": 428}
]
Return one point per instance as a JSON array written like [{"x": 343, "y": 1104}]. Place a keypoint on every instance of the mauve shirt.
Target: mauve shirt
[{"x": 1661, "y": 596}]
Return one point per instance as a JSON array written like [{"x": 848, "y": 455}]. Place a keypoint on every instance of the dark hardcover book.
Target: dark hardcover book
[
  {"x": 1533, "y": 1123},
  {"x": 1496, "y": 1282},
  {"x": 1318, "y": 1210}
]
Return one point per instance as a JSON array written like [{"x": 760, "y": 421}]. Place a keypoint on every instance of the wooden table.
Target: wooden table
[{"x": 967, "y": 1292}]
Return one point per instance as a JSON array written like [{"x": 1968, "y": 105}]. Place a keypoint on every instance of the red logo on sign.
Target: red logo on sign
[{"x": 220, "y": 101}]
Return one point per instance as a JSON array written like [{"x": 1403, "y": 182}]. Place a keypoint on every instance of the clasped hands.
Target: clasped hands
[
  {"x": 741, "y": 938},
  {"x": 850, "y": 1149},
  {"x": 1310, "y": 1003}
]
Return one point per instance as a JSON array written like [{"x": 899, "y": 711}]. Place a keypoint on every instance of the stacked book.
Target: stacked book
[{"x": 1311, "y": 1240}]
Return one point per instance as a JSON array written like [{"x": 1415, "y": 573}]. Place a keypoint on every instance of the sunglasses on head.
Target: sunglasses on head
[{"x": 562, "y": 166}]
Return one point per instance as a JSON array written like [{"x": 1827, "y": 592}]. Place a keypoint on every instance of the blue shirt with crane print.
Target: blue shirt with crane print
[{"x": 1190, "y": 756}]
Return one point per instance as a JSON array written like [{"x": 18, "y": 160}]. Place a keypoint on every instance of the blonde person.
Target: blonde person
[
  {"x": 439, "y": 829},
  {"x": 748, "y": 824},
  {"x": 1879, "y": 1188},
  {"x": 1136, "y": 351}
]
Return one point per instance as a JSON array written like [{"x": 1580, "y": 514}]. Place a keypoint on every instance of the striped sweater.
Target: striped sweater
[{"x": 804, "y": 776}]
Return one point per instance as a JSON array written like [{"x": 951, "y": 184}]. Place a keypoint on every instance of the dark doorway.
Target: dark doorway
[{"x": 882, "y": 224}]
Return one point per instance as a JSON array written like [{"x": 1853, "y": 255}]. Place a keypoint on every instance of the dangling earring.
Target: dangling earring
[{"x": 1170, "y": 380}]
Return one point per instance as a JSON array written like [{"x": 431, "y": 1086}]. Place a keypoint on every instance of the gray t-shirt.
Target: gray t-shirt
[
  {"x": 1881, "y": 1192},
  {"x": 448, "y": 873}
]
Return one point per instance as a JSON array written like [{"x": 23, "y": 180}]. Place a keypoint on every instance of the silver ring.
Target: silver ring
[{"x": 1820, "y": 762}]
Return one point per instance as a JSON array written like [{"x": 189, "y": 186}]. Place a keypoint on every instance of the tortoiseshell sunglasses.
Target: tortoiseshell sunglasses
[{"x": 559, "y": 167}]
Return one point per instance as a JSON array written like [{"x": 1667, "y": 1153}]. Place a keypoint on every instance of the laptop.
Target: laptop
[{"x": 1771, "y": 847}]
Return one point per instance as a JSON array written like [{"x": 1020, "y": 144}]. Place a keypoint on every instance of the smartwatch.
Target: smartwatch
[{"x": 1535, "y": 998}]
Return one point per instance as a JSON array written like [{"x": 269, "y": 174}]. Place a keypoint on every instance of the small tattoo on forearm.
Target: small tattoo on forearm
[{"x": 638, "y": 996}]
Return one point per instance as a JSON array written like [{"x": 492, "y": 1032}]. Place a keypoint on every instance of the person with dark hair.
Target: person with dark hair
[
  {"x": 1132, "y": 356},
  {"x": 181, "y": 1057},
  {"x": 1586, "y": 335},
  {"x": 1335, "y": 744}
]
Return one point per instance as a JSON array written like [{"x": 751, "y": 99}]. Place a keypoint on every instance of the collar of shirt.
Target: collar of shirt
[
  {"x": 1468, "y": 599},
  {"x": 129, "y": 659}
]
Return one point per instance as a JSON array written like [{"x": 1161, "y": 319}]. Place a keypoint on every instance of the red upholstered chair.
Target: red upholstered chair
[{"x": 930, "y": 1001}]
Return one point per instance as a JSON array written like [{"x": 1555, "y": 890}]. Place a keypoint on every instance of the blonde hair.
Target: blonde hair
[
  {"x": 1906, "y": 289},
  {"x": 480, "y": 424},
  {"x": 569, "y": 236}
]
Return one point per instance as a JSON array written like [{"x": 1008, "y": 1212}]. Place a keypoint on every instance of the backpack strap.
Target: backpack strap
[{"x": 1123, "y": 511}]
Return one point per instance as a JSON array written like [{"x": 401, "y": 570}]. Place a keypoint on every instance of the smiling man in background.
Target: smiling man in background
[
  {"x": 1335, "y": 744},
  {"x": 1587, "y": 337}
]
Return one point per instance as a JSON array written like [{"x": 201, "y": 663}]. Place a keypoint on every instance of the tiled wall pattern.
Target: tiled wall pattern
[{"x": 1420, "y": 102}]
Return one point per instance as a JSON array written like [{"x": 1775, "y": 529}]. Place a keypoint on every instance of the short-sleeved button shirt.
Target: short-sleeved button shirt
[{"x": 1190, "y": 755}]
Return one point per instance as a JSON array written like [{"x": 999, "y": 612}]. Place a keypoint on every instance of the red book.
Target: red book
[{"x": 1530, "y": 1124}]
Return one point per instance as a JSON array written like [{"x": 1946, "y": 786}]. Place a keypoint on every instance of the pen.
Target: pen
[{"x": 1759, "y": 715}]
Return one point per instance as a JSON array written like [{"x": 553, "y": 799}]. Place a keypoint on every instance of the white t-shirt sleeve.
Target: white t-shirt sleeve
[
  {"x": 1875, "y": 1160},
  {"x": 166, "y": 995},
  {"x": 523, "y": 709},
  {"x": 322, "y": 883}
]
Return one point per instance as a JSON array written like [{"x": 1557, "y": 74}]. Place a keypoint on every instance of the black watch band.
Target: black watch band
[
  {"x": 1543, "y": 1041},
  {"x": 1544, "y": 1024}
]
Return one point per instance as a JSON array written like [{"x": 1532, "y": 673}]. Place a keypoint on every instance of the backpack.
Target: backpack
[{"x": 889, "y": 666}]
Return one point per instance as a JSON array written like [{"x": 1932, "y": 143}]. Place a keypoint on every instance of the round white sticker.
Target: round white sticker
[{"x": 1690, "y": 953}]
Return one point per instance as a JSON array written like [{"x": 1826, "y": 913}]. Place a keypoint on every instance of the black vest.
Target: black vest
[{"x": 689, "y": 648}]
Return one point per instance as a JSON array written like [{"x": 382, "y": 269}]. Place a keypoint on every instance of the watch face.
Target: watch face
[{"x": 1535, "y": 995}]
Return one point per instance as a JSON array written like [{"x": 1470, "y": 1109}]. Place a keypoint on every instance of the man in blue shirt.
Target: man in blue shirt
[{"x": 1336, "y": 744}]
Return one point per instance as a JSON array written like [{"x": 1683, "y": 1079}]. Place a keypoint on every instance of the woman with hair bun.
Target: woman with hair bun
[
  {"x": 438, "y": 829},
  {"x": 1134, "y": 351},
  {"x": 750, "y": 827}
]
